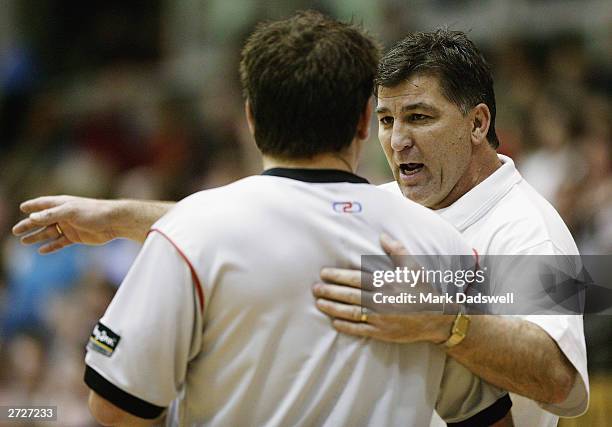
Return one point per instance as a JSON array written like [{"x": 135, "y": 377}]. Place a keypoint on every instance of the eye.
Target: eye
[
  {"x": 386, "y": 121},
  {"x": 417, "y": 117}
]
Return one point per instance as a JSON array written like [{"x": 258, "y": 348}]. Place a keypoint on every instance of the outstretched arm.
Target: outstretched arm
[{"x": 84, "y": 220}]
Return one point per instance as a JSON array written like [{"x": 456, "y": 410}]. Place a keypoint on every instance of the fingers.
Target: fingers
[
  {"x": 352, "y": 313},
  {"x": 25, "y": 226},
  {"x": 44, "y": 234},
  {"x": 41, "y": 203},
  {"x": 337, "y": 293},
  {"x": 55, "y": 245},
  {"x": 43, "y": 211},
  {"x": 51, "y": 215},
  {"x": 339, "y": 311},
  {"x": 356, "y": 329},
  {"x": 342, "y": 276}
]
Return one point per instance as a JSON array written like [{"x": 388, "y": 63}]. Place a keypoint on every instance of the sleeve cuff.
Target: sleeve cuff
[
  {"x": 488, "y": 416},
  {"x": 120, "y": 398}
]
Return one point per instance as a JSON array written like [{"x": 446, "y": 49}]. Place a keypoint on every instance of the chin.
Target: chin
[
  {"x": 420, "y": 196},
  {"x": 414, "y": 194}
]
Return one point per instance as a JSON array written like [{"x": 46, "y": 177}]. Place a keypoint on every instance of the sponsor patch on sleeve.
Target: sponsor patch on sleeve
[{"x": 103, "y": 340}]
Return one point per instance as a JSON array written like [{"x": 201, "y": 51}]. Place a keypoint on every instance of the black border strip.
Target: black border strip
[
  {"x": 320, "y": 176},
  {"x": 120, "y": 398},
  {"x": 488, "y": 416}
]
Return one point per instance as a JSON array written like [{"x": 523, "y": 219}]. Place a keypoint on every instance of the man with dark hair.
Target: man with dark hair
[
  {"x": 445, "y": 163},
  {"x": 275, "y": 77},
  {"x": 436, "y": 113},
  {"x": 214, "y": 323},
  {"x": 464, "y": 75}
]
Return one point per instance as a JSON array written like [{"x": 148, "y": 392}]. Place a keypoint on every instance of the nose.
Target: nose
[{"x": 401, "y": 138}]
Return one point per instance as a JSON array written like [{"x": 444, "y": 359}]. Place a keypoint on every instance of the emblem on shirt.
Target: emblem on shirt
[
  {"x": 347, "y": 207},
  {"x": 103, "y": 340}
]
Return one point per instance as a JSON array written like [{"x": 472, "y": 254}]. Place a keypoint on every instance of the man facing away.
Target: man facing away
[{"x": 215, "y": 320}]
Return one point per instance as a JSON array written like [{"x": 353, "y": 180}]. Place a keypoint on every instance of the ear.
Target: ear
[
  {"x": 249, "y": 116},
  {"x": 481, "y": 120},
  {"x": 363, "y": 125}
]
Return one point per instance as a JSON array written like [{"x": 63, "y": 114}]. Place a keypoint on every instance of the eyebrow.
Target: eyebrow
[{"x": 409, "y": 107}]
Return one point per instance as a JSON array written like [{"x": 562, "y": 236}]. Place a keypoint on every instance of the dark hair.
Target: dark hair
[
  {"x": 308, "y": 79},
  {"x": 465, "y": 76}
]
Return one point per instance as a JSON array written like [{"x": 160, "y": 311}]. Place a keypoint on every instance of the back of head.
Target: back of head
[
  {"x": 464, "y": 75},
  {"x": 308, "y": 79}
]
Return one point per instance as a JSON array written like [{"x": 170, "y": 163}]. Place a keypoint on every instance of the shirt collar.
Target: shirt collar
[
  {"x": 316, "y": 175},
  {"x": 474, "y": 204}
]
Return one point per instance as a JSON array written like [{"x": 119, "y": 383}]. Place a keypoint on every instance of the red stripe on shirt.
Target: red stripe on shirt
[
  {"x": 477, "y": 258},
  {"x": 194, "y": 275}
]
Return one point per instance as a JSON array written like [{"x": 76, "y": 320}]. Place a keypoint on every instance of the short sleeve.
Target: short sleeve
[
  {"x": 567, "y": 330},
  {"x": 465, "y": 399},
  {"x": 138, "y": 353},
  {"x": 568, "y": 333}
]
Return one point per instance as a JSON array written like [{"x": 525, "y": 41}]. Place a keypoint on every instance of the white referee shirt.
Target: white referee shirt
[
  {"x": 216, "y": 318},
  {"x": 504, "y": 215}
]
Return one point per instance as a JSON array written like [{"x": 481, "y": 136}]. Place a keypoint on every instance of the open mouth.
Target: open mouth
[{"x": 410, "y": 168}]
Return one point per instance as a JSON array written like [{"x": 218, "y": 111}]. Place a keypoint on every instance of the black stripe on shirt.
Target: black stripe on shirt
[
  {"x": 320, "y": 176},
  {"x": 120, "y": 398},
  {"x": 488, "y": 416}
]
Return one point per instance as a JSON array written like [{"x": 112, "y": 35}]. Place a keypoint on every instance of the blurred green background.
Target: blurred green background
[{"x": 141, "y": 99}]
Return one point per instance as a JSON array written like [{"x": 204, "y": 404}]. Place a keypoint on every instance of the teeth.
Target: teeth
[{"x": 410, "y": 167}]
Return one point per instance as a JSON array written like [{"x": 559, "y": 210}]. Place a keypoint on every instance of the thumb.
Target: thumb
[{"x": 392, "y": 246}]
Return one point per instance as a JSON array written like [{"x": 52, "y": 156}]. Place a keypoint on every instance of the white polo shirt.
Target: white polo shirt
[
  {"x": 216, "y": 318},
  {"x": 504, "y": 215}
]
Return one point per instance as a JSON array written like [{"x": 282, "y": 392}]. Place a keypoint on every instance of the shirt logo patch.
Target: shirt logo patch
[
  {"x": 103, "y": 340},
  {"x": 347, "y": 207}
]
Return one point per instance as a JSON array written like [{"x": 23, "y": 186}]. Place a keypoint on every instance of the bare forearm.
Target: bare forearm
[
  {"x": 516, "y": 355},
  {"x": 60, "y": 221},
  {"x": 133, "y": 218}
]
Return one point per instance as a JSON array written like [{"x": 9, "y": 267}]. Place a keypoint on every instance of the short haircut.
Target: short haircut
[
  {"x": 308, "y": 79},
  {"x": 464, "y": 75}
]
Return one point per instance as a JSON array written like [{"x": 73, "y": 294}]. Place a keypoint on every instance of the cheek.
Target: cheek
[
  {"x": 457, "y": 154},
  {"x": 448, "y": 151},
  {"x": 384, "y": 138}
]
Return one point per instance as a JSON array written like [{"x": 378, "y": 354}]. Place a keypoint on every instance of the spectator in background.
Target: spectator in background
[
  {"x": 553, "y": 127},
  {"x": 585, "y": 198}
]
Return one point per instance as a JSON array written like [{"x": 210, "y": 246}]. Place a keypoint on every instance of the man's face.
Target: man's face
[{"x": 426, "y": 139}]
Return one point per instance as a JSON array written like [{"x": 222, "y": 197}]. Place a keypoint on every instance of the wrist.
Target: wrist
[
  {"x": 124, "y": 224},
  {"x": 459, "y": 330},
  {"x": 442, "y": 326}
]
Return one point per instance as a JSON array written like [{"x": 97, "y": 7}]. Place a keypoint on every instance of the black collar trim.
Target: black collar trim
[{"x": 316, "y": 175}]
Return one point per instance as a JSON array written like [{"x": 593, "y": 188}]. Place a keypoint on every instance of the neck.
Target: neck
[
  {"x": 484, "y": 163},
  {"x": 340, "y": 161}
]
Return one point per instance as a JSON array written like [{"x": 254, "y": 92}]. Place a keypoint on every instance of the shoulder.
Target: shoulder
[
  {"x": 201, "y": 216},
  {"x": 207, "y": 204},
  {"x": 523, "y": 221},
  {"x": 427, "y": 232}
]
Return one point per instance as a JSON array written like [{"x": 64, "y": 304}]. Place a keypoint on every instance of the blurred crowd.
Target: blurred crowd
[{"x": 90, "y": 106}]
